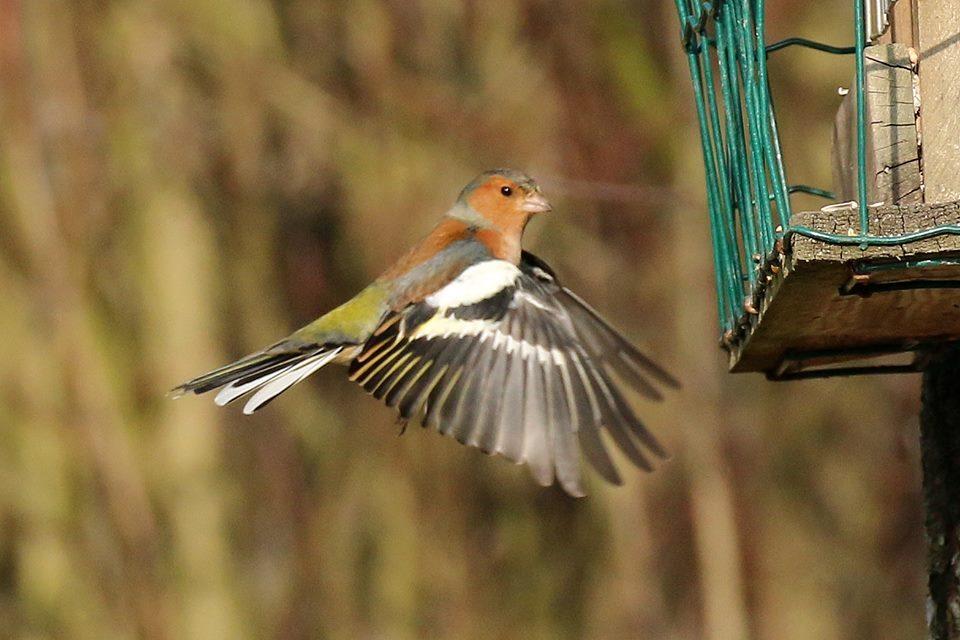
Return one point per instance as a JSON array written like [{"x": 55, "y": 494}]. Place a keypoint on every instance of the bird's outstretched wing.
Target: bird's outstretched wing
[{"x": 505, "y": 359}]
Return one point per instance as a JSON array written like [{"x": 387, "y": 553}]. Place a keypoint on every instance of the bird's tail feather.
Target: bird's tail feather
[{"x": 266, "y": 374}]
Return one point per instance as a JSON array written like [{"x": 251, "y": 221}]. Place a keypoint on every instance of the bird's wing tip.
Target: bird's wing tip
[{"x": 672, "y": 382}]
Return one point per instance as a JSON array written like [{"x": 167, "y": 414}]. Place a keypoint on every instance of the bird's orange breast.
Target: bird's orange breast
[{"x": 500, "y": 245}]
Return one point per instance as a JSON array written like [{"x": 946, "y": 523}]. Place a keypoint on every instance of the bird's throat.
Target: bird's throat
[{"x": 502, "y": 245}]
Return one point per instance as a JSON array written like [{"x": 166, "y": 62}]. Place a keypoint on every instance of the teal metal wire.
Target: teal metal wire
[
  {"x": 748, "y": 195},
  {"x": 860, "y": 33},
  {"x": 810, "y": 44}
]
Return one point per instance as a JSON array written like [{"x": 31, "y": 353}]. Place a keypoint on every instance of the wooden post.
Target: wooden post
[
  {"x": 940, "y": 450},
  {"x": 938, "y": 24},
  {"x": 938, "y": 43}
]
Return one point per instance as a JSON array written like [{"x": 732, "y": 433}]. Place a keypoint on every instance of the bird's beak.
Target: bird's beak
[{"x": 535, "y": 203}]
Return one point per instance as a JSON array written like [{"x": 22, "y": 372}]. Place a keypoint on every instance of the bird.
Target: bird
[{"x": 476, "y": 337}]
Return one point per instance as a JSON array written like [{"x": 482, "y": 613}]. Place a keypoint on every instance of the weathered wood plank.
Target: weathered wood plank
[
  {"x": 803, "y": 309},
  {"x": 893, "y": 155},
  {"x": 883, "y": 221}
]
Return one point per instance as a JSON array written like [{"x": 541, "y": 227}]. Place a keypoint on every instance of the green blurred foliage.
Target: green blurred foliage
[{"x": 183, "y": 181}]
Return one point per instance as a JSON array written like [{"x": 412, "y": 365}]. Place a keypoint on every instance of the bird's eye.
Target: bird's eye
[{"x": 506, "y": 191}]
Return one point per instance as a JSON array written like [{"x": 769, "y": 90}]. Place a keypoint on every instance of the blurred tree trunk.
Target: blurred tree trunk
[
  {"x": 712, "y": 498},
  {"x": 940, "y": 450},
  {"x": 712, "y": 494}
]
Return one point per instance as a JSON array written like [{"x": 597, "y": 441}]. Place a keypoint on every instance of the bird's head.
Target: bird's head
[{"x": 502, "y": 198}]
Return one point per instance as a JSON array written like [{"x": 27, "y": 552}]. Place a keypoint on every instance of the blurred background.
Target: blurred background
[{"x": 184, "y": 181}]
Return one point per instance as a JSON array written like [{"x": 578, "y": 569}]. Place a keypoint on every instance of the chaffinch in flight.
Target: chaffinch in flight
[{"x": 478, "y": 339}]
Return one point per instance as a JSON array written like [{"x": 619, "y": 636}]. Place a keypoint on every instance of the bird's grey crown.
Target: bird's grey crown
[{"x": 523, "y": 180}]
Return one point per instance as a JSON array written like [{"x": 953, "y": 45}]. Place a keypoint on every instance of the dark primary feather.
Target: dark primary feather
[
  {"x": 601, "y": 340},
  {"x": 524, "y": 372}
]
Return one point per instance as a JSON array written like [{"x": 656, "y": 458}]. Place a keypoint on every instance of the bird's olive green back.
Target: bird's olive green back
[{"x": 353, "y": 321}]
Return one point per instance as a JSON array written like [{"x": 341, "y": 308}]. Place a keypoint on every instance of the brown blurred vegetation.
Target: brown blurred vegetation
[{"x": 182, "y": 181}]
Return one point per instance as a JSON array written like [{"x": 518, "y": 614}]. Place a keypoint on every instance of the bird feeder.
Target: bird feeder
[
  {"x": 841, "y": 290},
  {"x": 875, "y": 273}
]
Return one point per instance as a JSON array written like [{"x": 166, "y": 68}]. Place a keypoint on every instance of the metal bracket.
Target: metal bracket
[
  {"x": 862, "y": 282},
  {"x": 812, "y": 364}
]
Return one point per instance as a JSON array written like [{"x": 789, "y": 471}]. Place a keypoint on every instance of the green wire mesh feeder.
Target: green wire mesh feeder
[{"x": 796, "y": 292}]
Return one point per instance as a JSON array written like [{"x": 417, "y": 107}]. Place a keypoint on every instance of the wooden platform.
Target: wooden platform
[{"x": 825, "y": 304}]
